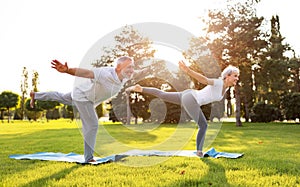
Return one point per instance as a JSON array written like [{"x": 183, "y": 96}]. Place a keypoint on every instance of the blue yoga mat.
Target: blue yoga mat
[
  {"x": 73, "y": 157},
  {"x": 70, "y": 157},
  {"x": 187, "y": 153}
]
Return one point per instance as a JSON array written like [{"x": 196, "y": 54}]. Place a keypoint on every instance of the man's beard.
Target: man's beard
[{"x": 126, "y": 76}]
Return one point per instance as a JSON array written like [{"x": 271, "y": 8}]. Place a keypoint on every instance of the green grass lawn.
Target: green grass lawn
[{"x": 271, "y": 157}]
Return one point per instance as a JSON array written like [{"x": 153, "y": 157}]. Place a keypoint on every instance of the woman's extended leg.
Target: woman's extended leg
[{"x": 171, "y": 97}]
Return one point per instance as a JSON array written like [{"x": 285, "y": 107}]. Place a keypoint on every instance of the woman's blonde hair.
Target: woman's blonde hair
[{"x": 229, "y": 70}]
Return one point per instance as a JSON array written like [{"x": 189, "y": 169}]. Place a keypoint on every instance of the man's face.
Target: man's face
[{"x": 127, "y": 70}]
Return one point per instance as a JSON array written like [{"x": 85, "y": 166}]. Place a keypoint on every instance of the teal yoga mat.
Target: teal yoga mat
[{"x": 73, "y": 157}]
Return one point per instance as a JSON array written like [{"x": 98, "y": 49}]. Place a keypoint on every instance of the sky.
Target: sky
[{"x": 34, "y": 32}]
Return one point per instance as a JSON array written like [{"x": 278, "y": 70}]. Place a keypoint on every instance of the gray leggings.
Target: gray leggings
[{"x": 190, "y": 105}]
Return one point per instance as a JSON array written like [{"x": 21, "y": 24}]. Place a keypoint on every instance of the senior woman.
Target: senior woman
[{"x": 192, "y": 99}]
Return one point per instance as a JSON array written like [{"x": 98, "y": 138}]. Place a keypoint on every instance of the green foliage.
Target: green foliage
[
  {"x": 141, "y": 103},
  {"x": 273, "y": 72},
  {"x": 294, "y": 67},
  {"x": 272, "y": 81},
  {"x": 47, "y": 105},
  {"x": 99, "y": 110},
  {"x": 8, "y": 100},
  {"x": 67, "y": 112},
  {"x": 270, "y": 158},
  {"x": 52, "y": 114},
  {"x": 35, "y": 80},
  {"x": 33, "y": 113},
  {"x": 118, "y": 111},
  {"x": 236, "y": 39},
  {"x": 262, "y": 112},
  {"x": 17, "y": 115},
  {"x": 217, "y": 110},
  {"x": 291, "y": 105}
]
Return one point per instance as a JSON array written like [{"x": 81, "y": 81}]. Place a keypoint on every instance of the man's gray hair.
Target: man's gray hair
[
  {"x": 123, "y": 59},
  {"x": 229, "y": 70}
]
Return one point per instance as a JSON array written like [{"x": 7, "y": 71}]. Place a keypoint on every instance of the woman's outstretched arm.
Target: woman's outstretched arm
[{"x": 198, "y": 76}]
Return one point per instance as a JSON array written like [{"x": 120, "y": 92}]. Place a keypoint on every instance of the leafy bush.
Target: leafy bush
[
  {"x": 262, "y": 112},
  {"x": 290, "y": 104}
]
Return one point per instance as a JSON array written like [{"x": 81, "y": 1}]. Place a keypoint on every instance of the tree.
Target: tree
[
  {"x": 35, "y": 80},
  {"x": 262, "y": 112},
  {"x": 272, "y": 72},
  {"x": 291, "y": 105},
  {"x": 144, "y": 105},
  {"x": 236, "y": 39},
  {"x": 36, "y": 112},
  {"x": 33, "y": 113},
  {"x": 8, "y": 100},
  {"x": 294, "y": 69},
  {"x": 49, "y": 106},
  {"x": 128, "y": 43},
  {"x": 202, "y": 61},
  {"x": 67, "y": 112},
  {"x": 24, "y": 89}
]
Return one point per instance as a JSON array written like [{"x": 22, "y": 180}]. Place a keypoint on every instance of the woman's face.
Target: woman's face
[{"x": 232, "y": 79}]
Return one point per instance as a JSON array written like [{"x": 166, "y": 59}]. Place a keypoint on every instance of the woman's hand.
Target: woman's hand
[{"x": 183, "y": 66}]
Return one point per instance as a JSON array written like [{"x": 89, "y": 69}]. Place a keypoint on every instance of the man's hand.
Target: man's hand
[{"x": 62, "y": 68}]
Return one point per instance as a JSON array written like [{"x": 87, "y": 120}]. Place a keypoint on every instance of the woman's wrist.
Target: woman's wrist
[{"x": 188, "y": 70}]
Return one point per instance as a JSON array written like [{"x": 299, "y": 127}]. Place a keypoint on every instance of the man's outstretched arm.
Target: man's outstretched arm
[{"x": 79, "y": 72}]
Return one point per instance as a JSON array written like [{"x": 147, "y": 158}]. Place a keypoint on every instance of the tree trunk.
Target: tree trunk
[
  {"x": 22, "y": 107},
  {"x": 229, "y": 108},
  {"x": 2, "y": 115},
  {"x": 229, "y": 104},
  {"x": 128, "y": 109},
  {"x": 238, "y": 107},
  {"x": 246, "y": 110},
  {"x": 8, "y": 115},
  {"x": 297, "y": 81}
]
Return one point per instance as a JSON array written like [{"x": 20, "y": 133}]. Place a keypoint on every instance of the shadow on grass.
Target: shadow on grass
[
  {"x": 56, "y": 177},
  {"x": 216, "y": 173}
]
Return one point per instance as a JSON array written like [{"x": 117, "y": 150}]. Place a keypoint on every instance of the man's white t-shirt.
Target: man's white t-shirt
[
  {"x": 105, "y": 85},
  {"x": 210, "y": 93}
]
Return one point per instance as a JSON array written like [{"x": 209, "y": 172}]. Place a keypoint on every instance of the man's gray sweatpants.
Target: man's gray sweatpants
[{"x": 87, "y": 114}]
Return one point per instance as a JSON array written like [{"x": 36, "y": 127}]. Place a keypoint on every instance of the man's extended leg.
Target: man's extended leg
[{"x": 64, "y": 98}]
